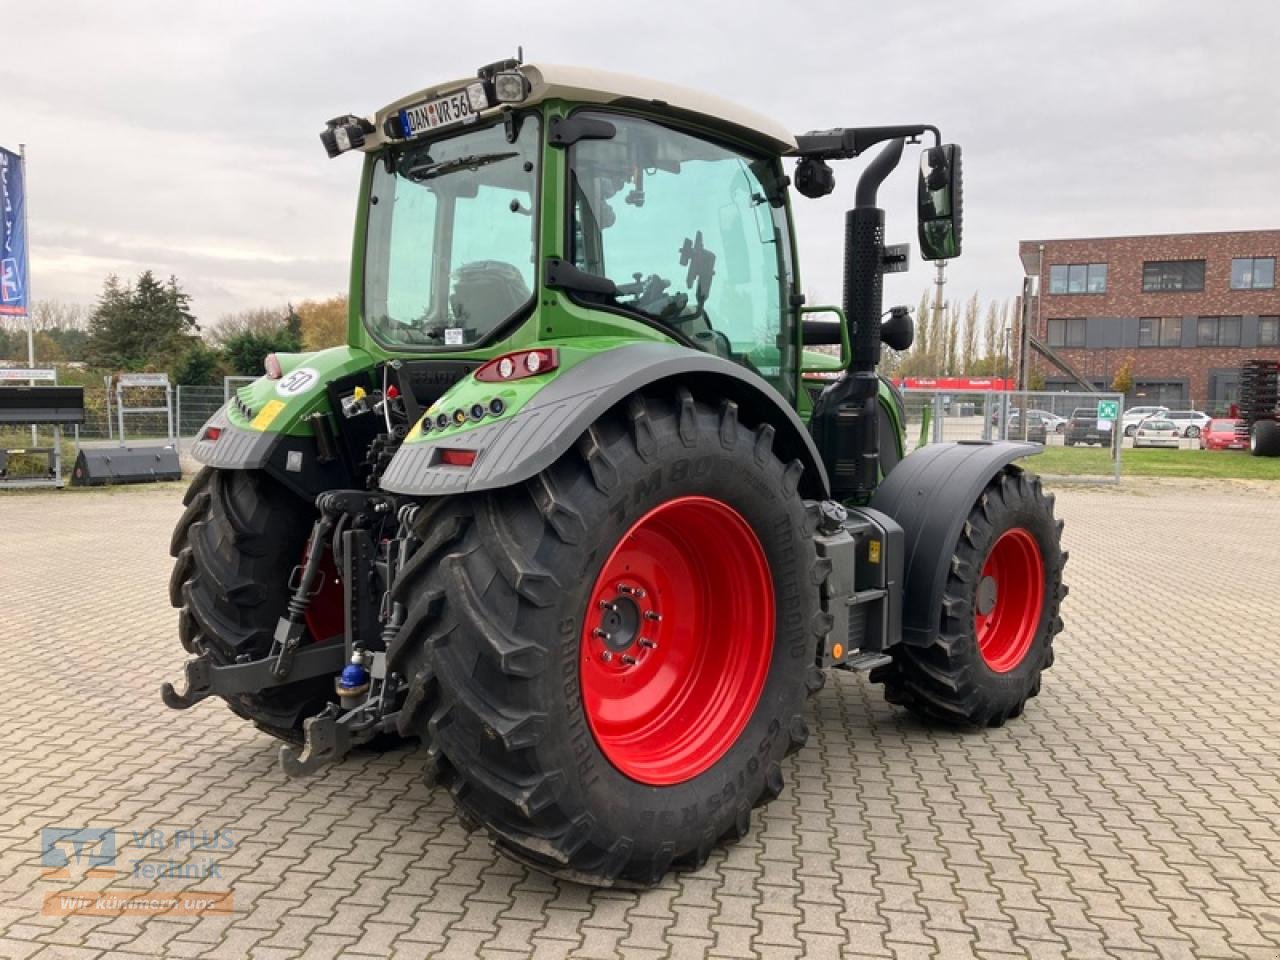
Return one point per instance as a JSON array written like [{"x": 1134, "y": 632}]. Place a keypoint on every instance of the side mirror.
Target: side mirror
[
  {"x": 899, "y": 331},
  {"x": 940, "y": 202}
]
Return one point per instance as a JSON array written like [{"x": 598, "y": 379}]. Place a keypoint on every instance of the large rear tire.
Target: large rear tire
[
  {"x": 610, "y": 662},
  {"x": 999, "y": 613},
  {"x": 235, "y": 546}
]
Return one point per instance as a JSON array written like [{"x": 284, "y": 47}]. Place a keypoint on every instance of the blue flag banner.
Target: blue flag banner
[{"x": 13, "y": 235}]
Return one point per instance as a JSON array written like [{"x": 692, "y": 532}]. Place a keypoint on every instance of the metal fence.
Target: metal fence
[{"x": 1090, "y": 449}]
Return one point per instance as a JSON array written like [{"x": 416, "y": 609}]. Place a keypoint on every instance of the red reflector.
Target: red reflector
[
  {"x": 458, "y": 458},
  {"x": 392, "y": 392},
  {"x": 271, "y": 364},
  {"x": 212, "y": 433}
]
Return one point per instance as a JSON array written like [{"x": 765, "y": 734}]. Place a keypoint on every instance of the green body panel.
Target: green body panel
[
  {"x": 277, "y": 413},
  {"x": 514, "y": 394}
]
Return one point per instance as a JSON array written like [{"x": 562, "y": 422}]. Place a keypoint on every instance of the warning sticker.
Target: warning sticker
[{"x": 267, "y": 414}]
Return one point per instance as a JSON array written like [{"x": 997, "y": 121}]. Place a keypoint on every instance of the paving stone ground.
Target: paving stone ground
[{"x": 1132, "y": 812}]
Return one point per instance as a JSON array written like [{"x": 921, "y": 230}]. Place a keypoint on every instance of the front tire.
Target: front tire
[
  {"x": 670, "y": 522},
  {"x": 999, "y": 613}
]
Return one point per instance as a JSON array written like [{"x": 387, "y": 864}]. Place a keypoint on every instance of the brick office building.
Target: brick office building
[{"x": 1187, "y": 308}]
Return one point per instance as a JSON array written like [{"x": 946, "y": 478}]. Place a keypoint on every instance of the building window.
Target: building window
[
  {"x": 1066, "y": 332},
  {"x": 1078, "y": 278},
  {"x": 1224, "y": 390},
  {"x": 1218, "y": 332},
  {"x": 1253, "y": 273},
  {"x": 1162, "y": 275},
  {"x": 1269, "y": 331},
  {"x": 1160, "y": 332},
  {"x": 1165, "y": 393}
]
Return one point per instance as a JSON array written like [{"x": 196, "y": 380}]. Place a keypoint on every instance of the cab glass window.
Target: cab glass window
[
  {"x": 693, "y": 234},
  {"x": 451, "y": 242}
]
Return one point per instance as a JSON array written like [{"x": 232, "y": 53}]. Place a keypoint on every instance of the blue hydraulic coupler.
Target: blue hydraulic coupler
[{"x": 352, "y": 682}]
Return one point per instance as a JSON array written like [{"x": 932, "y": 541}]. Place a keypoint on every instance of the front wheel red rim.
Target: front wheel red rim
[
  {"x": 1010, "y": 599},
  {"x": 677, "y": 640}
]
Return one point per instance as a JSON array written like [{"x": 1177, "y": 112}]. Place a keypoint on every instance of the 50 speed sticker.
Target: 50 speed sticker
[{"x": 298, "y": 381}]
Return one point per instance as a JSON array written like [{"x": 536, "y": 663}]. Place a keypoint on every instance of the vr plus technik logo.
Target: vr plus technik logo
[
  {"x": 74, "y": 853},
  {"x": 92, "y": 849}
]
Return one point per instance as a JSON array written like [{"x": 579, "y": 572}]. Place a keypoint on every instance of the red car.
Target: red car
[{"x": 1221, "y": 435}]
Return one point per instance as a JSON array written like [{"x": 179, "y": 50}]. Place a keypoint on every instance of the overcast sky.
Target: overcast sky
[{"x": 182, "y": 137}]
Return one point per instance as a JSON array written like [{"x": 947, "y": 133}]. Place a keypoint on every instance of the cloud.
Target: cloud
[{"x": 183, "y": 138}]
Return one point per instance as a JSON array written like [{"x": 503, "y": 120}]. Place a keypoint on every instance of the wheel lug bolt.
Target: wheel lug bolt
[
  {"x": 599, "y": 634},
  {"x": 623, "y": 588},
  {"x": 606, "y": 656},
  {"x": 648, "y": 644},
  {"x": 653, "y": 615},
  {"x": 629, "y": 661}
]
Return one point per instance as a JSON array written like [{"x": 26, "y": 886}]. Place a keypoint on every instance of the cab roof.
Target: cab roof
[{"x": 582, "y": 85}]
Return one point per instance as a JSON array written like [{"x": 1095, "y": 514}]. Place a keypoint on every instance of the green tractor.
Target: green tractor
[{"x": 576, "y": 506}]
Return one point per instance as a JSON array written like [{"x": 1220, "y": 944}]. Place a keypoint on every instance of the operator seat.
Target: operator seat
[{"x": 486, "y": 292}]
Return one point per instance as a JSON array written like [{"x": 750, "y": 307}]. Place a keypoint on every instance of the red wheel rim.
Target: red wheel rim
[
  {"x": 1009, "y": 601},
  {"x": 327, "y": 607},
  {"x": 677, "y": 640}
]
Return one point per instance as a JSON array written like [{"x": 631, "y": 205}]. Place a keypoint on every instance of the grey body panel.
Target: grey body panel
[
  {"x": 513, "y": 450},
  {"x": 930, "y": 494},
  {"x": 236, "y": 448}
]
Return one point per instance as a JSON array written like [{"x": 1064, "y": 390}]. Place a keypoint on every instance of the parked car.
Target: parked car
[
  {"x": 1156, "y": 432},
  {"x": 1051, "y": 422},
  {"x": 1221, "y": 435},
  {"x": 1083, "y": 427},
  {"x": 1190, "y": 423},
  {"x": 1130, "y": 419}
]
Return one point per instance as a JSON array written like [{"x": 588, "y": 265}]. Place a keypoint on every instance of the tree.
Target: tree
[
  {"x": 200, "y": 366},
  {"x": 969, "y": 336},
  {"x": 147, "y": 324},
  {"x": 244, "y": 352},
  {"x": 324, "y": 322},
  {"x": 992, "y": 341},
  {"x": 1123, "y": 380},
  {"x": 293, "y": 326},
  {"x": 265, "y": 321}
]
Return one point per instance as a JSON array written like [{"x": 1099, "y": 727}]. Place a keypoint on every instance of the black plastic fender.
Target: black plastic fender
[
  {"x": 514, "y": 449},
  {"x": 929, "y": 494}
]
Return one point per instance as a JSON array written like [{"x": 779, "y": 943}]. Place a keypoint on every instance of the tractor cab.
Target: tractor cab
[{"x": 639, "y": 209}]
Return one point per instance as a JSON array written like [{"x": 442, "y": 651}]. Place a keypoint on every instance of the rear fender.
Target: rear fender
[
  {"x": 265, "y": 426},
  {"x": 930, "y": 494},
  {"x": 532, "y": 436}
]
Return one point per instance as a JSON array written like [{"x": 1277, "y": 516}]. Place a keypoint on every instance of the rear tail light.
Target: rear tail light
[
  {"x": 212, "y": 433},
  {"x": 457, "y": 458},
  {"x": 271, "y": 363},
  {"x": 518, "y": 365}
]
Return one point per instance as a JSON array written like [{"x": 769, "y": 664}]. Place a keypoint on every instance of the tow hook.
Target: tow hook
[
  {"x": 330, "y": 734},
  {"x": 204, "y": 678}
]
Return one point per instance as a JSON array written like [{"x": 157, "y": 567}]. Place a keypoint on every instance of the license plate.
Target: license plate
[{"x": 441, "y": 112}]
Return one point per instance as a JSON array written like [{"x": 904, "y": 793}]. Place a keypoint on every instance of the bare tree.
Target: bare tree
[
  {"x": 969, "y": 336},
  {"x": 262, "y": 321},
  {"x": 991, "y": 340}
]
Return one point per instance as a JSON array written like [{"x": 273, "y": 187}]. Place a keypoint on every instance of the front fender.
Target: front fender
[
  {"x": 930, "y": 494},
  {"x": 519, "y": 446}
]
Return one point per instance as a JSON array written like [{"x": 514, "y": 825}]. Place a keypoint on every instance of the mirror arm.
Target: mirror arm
[{"x": 844, "y": 143}]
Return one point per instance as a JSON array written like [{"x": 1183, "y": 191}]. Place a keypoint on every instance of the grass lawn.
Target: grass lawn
[{"x": 1220, "y": 464}]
